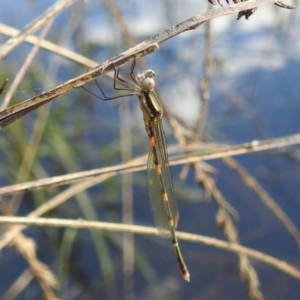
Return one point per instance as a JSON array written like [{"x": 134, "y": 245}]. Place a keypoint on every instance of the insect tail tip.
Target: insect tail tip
[{"x": 186, "y": 276}]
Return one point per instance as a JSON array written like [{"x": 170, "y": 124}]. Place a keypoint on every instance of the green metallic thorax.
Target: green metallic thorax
[{"x": 151, "y": 109}]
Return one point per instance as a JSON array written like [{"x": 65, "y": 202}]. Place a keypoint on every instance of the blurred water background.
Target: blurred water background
[{"x": 254, "y": 95}]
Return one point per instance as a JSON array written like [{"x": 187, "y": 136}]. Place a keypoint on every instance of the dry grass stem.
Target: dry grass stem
[
  {"x": 115, "y": 227},
  {"x": 25, "y": 66},
  {"x": 252, "y": 183},
  {"x": 51, "y": 12},
  {"x": 3, "y": 86},
  {"x": 130, "y": 41},
  {"x": 205, "y": 81},
  {"x": 59, "y": 199},
  {"x": 189, "y": 152},
  {"x": 61, "y": 51},
  {"x": 138, "y": 164},
  {"x": 19, "y": 110},
  {"x": 18, "y": 286},
  {"x": 27, "y": 248},
  {"x": 247, "y": 272}
]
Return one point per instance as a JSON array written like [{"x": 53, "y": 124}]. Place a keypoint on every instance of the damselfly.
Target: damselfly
[{"x": 160, "y": 186}]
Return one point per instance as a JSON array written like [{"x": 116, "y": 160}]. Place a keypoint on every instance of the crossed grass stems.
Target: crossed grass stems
[
  {"x": 125, "y": 82},
  {"x": 225, "y": 212}
]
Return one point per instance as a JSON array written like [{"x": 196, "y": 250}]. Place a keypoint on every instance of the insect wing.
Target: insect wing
[{"x": 160, "y": 186}]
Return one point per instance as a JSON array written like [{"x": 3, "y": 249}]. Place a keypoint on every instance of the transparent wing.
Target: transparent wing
[{"x": 160, "y": 186}]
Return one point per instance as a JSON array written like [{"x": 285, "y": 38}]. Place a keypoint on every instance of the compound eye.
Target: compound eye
[
  {"x": 149, "y": 74},
  {"x": 148, "y": 84}
]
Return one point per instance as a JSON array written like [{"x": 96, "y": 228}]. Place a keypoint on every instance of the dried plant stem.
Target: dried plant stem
[
  {"x": 3, "y": 86},
  {"x": 205, "y": 82},
  {"x": 200, "y": 152},
  {"x": 8, "y": 236},
  {"x": 32, "y": 146},
  {"x": 18, "y": 286},
  {"x": 252, "y": 183},
  {"x": 17, "y": 111},
  {"x": 224, "y": 221},
  {"x": 123, "y": 26},
  {"x": 51, "y": 12},
  {"x": 115, "y": 227},
  {"x": 61, "y": 51},
  {"x": 27, "y": 247},
  {"x": 25, "y": 66},
  {"x": 127, "y": 202}
]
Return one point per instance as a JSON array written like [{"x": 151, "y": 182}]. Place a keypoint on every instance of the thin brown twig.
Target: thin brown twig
[
  {"x": 127, "y": 201},
  {"x": 19, "y": 110},
  {"x": 51, "y": 12},
  {"x": 82, "y": 224},
  {"x": 27, "y": 248},
  {"x": 127, "y": 191},
  {"x": 18, "y": 286},
  {"x": 3, "y": 86},
  {"x": 128, "y": 36},
  {"x": 31, "y": 148},
  {"x": 185, "y": 137},
  {"x": 205, "y": 82},
  {"x": 51, "y": 204},
  {"x": 252, "y": 184},
  {"x": 59, "y": 50},
  {"x": 118, "y": 16},
  {"x": 54, "y": 48},
  {"x": 224, "y": 221},
  {"x": 198, "y": 152},
  {"x": 247, "y": 272},
  {"x": 25, "y": 65},
  {"x": 249, "y": 12}
]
